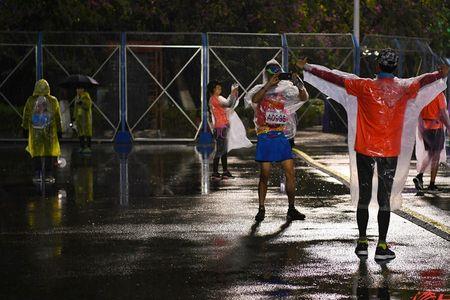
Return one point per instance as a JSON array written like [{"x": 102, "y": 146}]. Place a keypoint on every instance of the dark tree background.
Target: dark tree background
[{"x": 421, "y": 18}]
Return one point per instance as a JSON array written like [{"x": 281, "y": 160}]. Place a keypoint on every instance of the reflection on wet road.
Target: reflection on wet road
[{"x": 151, "y": 225}]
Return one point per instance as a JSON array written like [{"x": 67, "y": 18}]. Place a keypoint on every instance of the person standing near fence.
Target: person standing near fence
[
  {"x": 83, "y": 119},
  {"x": 42, "y": 126},
  {"x": 430, "y": 140},
  {"x": 382, "y": 116},
  {"x": 274, "y": 102},
  {"x": 218, "y": 106}
]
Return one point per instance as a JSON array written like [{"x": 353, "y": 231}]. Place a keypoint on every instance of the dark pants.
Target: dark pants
[
  {"x": 220, "y": 135},
  {"x": 49, "y": 162},
  {"x": 386, "y": 167},
  {"x": 386, "y": 171},
  {"x": 434, "y": 139}
]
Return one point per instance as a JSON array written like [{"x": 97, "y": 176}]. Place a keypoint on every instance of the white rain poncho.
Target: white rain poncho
[
  {"x": 237, "y": 135},
  {"x": 421, "y": 153},
  {"x": 283, "y": 102},
  {"x": 408, "y": 91}
]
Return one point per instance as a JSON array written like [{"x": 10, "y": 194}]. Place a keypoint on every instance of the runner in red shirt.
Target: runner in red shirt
[
  {"x": 431, "y": 128},
  {"x": 381, "y": 106}
]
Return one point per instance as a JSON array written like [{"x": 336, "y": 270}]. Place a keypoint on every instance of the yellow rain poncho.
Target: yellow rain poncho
[
  {"x": 83, "y": 114},
  {"x": 42, "y": 119}
]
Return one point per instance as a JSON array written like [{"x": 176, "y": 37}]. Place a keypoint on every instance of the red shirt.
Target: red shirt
[
  {"x": 381, "y": 109},
  {"x": 219, "y": 113},
  {"x": 431, "y": 113},
  {"x": 270, "y": 113}
]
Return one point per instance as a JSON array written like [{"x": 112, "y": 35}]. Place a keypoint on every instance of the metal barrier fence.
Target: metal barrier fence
[
  {"x": 162, "y": 93},
  {"x": 241, "y": 58}
]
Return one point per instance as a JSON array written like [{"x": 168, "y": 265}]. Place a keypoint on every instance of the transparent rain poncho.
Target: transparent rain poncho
[
  {"x": 42, "y": 118},
  {"x": 277, "y": 110},
  {"x": 421, "y": 153},
  {"x": 399, "y": 101},
  {"x": 237, "y": 135}
]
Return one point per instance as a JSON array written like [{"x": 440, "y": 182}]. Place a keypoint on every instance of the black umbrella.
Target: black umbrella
[{"x": 79, "y": 80}]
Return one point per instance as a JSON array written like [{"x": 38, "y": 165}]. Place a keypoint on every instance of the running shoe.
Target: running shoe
[
  {"x": 50, "y": 179},
  {"x": 361, "y": 248},
  {"x": 383, "y": 252},
  {"x": 418, "y": 183},
  {"x": 433, "y": 188},
  {"x": 260, "y": 215},
  {"x": 227, "y": 175},
  {"x": 294, "y": 214},
  {"x": 216, "y": 176}
]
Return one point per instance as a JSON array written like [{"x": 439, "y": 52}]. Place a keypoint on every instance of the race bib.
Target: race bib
[{"x": 276, "y": 117}]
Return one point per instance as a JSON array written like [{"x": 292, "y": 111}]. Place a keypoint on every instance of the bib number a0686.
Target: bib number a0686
[{"x": 276, "y": 117}]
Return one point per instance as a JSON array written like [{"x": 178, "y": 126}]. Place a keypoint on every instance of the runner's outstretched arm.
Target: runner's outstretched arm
[
  {"x": 325, "y": 75},
  {"x": 432, "y": 77}
]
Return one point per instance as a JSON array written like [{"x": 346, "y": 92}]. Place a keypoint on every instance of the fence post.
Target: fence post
[
  {"x": 356, "y": 56},
  {"x": 123, "y": 135},
  {"x": 401, "y": 57},
  {"x": 285, "y": 51},
  {"x": 205, "y": 137},
  {"x": 39, "y": 73}
]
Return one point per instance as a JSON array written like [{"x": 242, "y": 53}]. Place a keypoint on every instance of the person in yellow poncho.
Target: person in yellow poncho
[
  {"x": 42, "y": 126},
  {"x": 83, "y": 119}
]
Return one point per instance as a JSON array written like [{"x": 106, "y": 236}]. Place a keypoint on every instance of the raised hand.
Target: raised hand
[
  {"x": 301, "y": 62},
  {"x": 443, "y": 69},
  {"x": 273, "y": 80}
]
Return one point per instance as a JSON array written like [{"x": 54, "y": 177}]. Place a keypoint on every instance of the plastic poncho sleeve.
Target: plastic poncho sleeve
[
  {"x": 336, "y": 89},
  {"x": 248, "y": 97},
  {"x": 227, "y": 102}
]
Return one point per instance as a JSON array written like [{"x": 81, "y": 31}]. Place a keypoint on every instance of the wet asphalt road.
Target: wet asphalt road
[{"x": 153, "y": 226}]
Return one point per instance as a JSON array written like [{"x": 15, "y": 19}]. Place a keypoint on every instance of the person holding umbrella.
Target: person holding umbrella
[
  {"x": 83, "y": 119},
  {"x": 83, "y": 108}
]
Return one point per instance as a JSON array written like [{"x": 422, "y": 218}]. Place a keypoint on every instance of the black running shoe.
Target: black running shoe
[
  {"x": 227, "y": 175},
  {"x": 383, "y": 252},
  {"x": 216, "y": 176},
  {"x": 260, "y": 215},
  {"x": 294, "y": 214},
  {"x": 418, "y": 183},
  {"x": 433, "y": 188},
  {"x": 50, "y": 179},
  {"x": 361, "y": 248}
]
